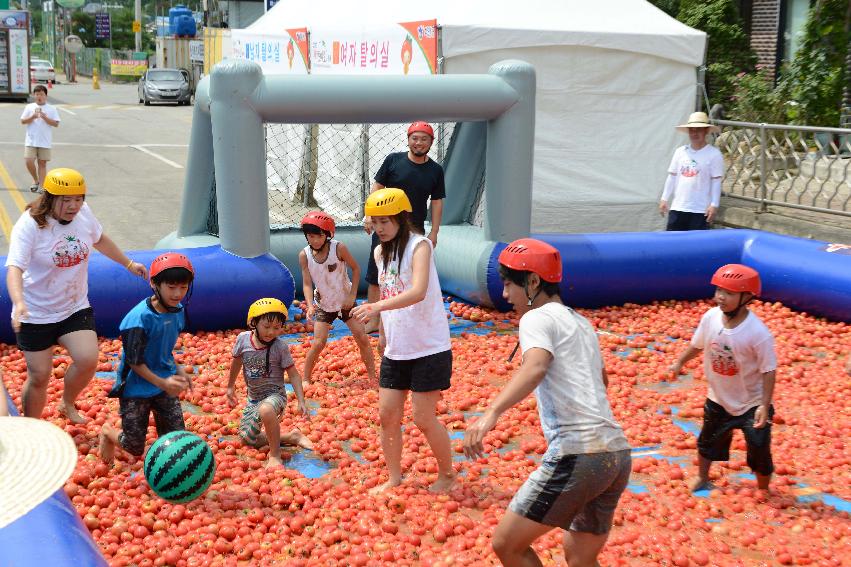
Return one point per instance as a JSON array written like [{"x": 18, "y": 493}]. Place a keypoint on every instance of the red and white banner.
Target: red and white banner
[
  {"x": 276, "y": 54},
  {"x": 395, "y": 49}
]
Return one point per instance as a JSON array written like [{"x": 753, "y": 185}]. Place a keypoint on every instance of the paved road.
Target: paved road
[{"x": 133, "y": 158}]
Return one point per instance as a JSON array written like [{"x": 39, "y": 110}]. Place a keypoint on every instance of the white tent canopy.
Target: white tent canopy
[{"x": 614, "y": 77}]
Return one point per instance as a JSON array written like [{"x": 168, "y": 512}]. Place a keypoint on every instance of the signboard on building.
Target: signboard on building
[
  {"x": 129, "y": 67},
  {"x": 196, "y": 50},
  {"x": 18, "y": 61},
  {"x": 284, "y": 54},
  {"x": 102, "y": 26},
  {"x": 408, "y": 48}
]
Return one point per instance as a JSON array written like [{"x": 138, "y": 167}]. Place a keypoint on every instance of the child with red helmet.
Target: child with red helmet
[
  {"x": 324, "y": 265},
  {"x": 587, "y": 463},
  {"x": 739, "y": 363},
  {"x": 148, "y": 378}
]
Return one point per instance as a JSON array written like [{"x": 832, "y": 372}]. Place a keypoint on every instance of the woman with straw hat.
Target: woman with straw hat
[
  {"x": 694, "y": 178},
  {"x": 47, "y": 279}
]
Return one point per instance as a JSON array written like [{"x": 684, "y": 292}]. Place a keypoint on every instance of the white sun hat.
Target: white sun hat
[
  {"x": 698, "y": 120},
  {"x": 36, "y": 458}
]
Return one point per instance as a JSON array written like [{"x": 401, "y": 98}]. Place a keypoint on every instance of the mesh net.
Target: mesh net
[{"x": 328, "y": 167}]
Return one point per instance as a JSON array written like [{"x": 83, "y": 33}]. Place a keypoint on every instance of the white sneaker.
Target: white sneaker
[{"x": 34, "y": 188}]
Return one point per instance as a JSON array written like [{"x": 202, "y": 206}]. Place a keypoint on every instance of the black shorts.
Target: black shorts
[
  {"x": 135, "y": 413},
  {"x": 322, "y": 316},
  {"x": 717, "y": 433},
  {"x": 680, "y": 220},
  {"x": 34, "y": 337},
  {"x": 426, "y": 374}
]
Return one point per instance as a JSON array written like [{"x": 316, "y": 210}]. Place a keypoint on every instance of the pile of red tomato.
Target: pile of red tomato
[{"x": 257, "y": 516}]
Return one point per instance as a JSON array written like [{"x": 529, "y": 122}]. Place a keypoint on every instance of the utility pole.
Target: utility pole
[{"x": 139, "y": 19}]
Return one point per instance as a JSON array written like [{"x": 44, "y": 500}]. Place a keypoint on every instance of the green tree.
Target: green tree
[
  {"x": 670, "y": 7},
  {"x": 816, "y": 75},
  {"x": 728, "y": 47}
]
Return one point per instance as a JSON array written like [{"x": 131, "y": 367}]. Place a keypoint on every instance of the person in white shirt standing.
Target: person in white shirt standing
[
  {"x": 694, "y": 179},
  {"x": 587, "y": 463},
  {"x": 740, "y": 365},
  {"x": 48, "y": 282},
  {"x": 39, "y": 117}
]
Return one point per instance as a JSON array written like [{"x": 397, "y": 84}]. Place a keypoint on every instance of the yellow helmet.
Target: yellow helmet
[
  {"x": 386, "y": 203},
  {"x": 64, "y": 181},
  {"x": 266, "y": 305}
]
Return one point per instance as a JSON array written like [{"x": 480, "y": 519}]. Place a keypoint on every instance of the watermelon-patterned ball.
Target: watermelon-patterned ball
[{"x": 179, "y": 466}]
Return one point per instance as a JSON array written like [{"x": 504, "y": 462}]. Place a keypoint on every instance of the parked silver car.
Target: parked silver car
[
  {"x": 42, "y": 71},
  {"x": 165, "y": 85}
]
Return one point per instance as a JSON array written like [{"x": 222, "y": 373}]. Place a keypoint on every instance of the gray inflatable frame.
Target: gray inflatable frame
[{"x": 496, "y": 112}]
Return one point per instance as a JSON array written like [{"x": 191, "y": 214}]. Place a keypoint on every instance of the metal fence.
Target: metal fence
[
  {"x": 799, "y": 167},
  {"x": 331, "y": 167},
  {"x": 87, "y": 59}
]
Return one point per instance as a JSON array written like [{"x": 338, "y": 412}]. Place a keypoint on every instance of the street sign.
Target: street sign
[
  {"x": 102, "y": 26},
  {"x": 196, "y": 51},
  {"x": 137, "y": 26},
  {"x": 71, "y": 3}
]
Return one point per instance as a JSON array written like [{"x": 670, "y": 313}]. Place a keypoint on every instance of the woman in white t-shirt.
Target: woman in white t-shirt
[
  {"x": 47, "y": 279},
  {"x": 587, "y": 463},
  {"x": 692, "y": 190},
  {"x": 415, "y": 332}
]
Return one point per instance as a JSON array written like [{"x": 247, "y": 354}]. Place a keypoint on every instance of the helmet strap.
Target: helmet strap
[
  {"x": 735, "y": 312},
  {"x": 530, "y": 298},
  {"x": 324, "y": 244}
]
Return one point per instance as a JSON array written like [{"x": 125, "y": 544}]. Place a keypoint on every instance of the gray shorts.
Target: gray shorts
[{"x": 575, "y": 492}]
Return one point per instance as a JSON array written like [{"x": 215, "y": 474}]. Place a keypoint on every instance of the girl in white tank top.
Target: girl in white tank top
[{"x": 418, "y": 355}]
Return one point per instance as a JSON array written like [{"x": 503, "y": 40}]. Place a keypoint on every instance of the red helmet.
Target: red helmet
[
  {"x": 170, "y": 260},
  {"x": 737, "y": 278},
  {"x": 320, "y": 219},
  {"x": 530, "y": 255},
  {"x": 421, "y": 126}
]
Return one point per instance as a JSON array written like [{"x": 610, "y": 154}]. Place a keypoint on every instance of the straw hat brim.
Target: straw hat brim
[
  {"x": 36, "y": 458},
  {"x": 712, "y": 127}
]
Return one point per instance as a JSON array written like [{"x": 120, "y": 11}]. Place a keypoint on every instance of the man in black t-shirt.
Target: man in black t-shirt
[{"x": 422, "y": 179}]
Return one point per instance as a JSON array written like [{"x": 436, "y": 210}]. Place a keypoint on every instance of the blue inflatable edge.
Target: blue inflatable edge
[
  {"x": 52, "y": 534},
  {"x": 225, "y": 286},
  {"x": 612, "y": 269}
]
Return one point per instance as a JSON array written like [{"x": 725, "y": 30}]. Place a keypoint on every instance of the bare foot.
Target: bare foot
[
  {"x": 70, "y": 412},
  {"x": 381, "y": 488},
  {"x": 442, "y": 484},
  {"x": 106, "y": 448},
  {"x": 296, "y": 437},
  {"x": 274, "y": 462},
  {"x": 699, "y": 484}
]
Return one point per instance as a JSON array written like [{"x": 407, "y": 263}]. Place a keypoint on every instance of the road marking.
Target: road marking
[
  {"x": 63, "y": 109},
  {"x": 5, "y": 221},
  {"x": 145, "y": 150},
  {"x": 84, "y": 145},
  {"x": 13, "y": 189}
]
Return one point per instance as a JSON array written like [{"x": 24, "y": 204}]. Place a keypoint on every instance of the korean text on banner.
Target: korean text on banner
[
  {"x": 278, "y": 54},
  {"x": 18, "y": 61},
  {"x": 130, "y": 67},
  {"x": 395, "y": 49}
]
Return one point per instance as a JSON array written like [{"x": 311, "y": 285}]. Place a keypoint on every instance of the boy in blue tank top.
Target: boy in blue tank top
[{"x": 148, "y": 379}]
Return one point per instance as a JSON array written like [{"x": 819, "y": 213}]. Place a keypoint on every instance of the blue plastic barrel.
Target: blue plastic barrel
[
  {"x": 174, "y": 14},
  {"x": 185, "y": 26}
]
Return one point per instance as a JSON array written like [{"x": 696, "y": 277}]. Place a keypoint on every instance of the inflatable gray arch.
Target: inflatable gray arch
[{"x": 496, "y": 112}]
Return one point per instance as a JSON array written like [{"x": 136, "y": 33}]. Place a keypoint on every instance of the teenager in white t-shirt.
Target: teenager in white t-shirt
[
  {"x": 739, "y": 363},
  {"x": 692, "y": 190},
  {"x": 324, "y": 264},
  {"x": 414, "y": 329},
  {"x": 40, "y": 119},
  {"x": 587, "y": 463},
  {"x": 47, "y": 279}
]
